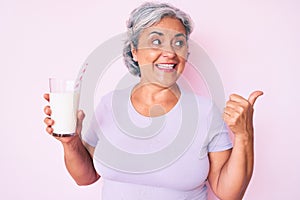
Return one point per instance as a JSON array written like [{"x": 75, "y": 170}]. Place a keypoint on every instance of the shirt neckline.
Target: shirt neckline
[{"x": 175, "y": 107}]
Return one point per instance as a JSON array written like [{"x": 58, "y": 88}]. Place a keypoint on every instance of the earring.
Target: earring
[{"x": 188, "y": 55}]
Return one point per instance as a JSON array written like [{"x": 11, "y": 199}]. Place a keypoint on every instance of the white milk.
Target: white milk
[{"x": 64, "y": 112}]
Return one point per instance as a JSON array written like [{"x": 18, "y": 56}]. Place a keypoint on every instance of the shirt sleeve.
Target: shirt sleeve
[
  {"x": 219, "y": 139},
  {"x": 91, "y": 136}
]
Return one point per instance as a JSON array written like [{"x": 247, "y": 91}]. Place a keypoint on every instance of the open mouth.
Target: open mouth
[{"x": 166, "y": 67}]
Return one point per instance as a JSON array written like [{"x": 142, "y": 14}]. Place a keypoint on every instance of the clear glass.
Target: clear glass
[{"x": 64, "y": 101}]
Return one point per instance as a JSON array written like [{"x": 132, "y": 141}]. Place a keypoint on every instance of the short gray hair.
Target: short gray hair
[{"x": 143, "y": 17}]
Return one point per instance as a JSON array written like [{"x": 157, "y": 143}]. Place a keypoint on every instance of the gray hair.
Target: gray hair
[{"x": 143, "y": 17}]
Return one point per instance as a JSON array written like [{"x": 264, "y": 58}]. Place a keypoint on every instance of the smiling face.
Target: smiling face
[{"x": 161, "y": 52}]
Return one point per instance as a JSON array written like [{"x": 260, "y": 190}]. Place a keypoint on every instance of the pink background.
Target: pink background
[{"x": 254, "y": 45}]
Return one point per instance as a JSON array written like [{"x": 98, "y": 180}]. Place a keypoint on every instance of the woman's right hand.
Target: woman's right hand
[
  {"x": 49, "y": 122},
  {"x": 77, "y": 153}
]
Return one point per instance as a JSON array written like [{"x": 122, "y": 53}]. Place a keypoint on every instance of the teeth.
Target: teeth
[{"x": 166, "y": 66}]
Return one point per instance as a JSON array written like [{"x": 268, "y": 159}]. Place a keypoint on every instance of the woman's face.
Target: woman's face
[{"x": 162, "y": 51}]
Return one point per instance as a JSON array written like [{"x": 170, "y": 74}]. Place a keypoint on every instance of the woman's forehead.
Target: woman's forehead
[
  {"x": 167, "y": 25},
  {"x": 164, "y": 32}
]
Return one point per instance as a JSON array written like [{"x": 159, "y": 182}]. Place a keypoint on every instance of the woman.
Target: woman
[{"x": 156, "y": 51}]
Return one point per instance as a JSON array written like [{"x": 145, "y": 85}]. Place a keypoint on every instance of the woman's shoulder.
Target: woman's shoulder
[
  {"x": 206, "y": 105},
  {"x": 201, "y": 100},
  {"x": 115, "y": 96}
]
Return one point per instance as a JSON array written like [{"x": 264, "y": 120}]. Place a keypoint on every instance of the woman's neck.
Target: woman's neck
[{"x": 153, "y": 99}]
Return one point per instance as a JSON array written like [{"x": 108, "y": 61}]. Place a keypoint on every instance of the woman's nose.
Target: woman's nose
[{"x": 168, "y": 51}]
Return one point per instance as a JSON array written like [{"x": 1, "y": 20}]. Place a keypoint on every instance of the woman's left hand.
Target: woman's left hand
[{"x": 238, "y": 113}]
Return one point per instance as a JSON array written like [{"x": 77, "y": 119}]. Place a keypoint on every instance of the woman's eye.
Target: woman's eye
[
  {"x": 179, "y": 43},
  {"x": 156, "y": 42}
]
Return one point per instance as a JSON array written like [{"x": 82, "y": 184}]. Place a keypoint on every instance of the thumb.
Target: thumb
[
  {"x": 80, "y": 117},
  {"x": 253, "y": 96}
]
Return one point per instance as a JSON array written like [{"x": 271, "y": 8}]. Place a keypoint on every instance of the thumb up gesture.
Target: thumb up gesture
[{"x": 238, "y": 113}]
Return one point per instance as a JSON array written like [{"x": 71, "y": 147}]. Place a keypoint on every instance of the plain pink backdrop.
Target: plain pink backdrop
[{"x": 253, "y": 44}]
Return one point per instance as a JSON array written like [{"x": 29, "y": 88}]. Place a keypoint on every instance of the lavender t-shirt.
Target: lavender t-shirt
[{"x": 161, "y": 158}]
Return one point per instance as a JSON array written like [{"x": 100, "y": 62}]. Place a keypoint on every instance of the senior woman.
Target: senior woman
[{"x": 156, "y": 50}]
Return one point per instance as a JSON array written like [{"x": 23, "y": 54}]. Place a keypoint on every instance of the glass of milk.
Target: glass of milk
[{"x": 64, "y": 101}]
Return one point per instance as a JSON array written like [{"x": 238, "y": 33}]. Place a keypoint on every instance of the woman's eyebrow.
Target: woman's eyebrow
[
  {"x": 156, "y": 32},
  {"x": 180, "y": 34},
  {"x": 161, "y": 34}
]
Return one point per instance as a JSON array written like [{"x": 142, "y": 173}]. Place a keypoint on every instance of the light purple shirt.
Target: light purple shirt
[{"x": 139, "y": 158}]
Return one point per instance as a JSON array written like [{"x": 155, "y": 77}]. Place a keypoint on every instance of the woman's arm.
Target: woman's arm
[
  {"x": 79, "y": 162},
  {"x": 77, "y": 155},
  {"x": 231, "y": 171}
]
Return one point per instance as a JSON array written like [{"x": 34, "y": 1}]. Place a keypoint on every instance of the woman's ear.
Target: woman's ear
[{"x": 133, "y": 52}]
